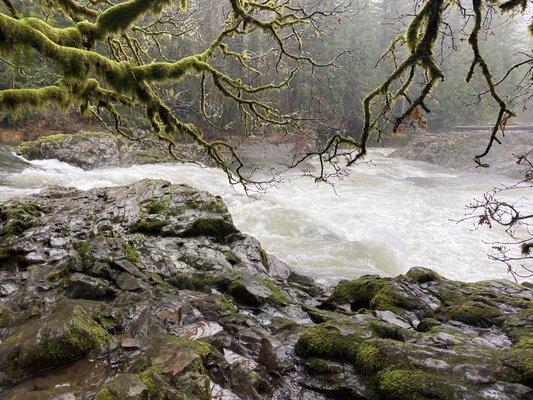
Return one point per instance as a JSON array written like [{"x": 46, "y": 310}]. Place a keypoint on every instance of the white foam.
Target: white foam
[{"x": 389, "y": 216}]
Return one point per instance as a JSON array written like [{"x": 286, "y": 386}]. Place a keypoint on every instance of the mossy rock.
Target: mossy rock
[
  {"x": 155, "y": 206},
  {"x": 19, "y": 215},
  {"x": 326, "y": 341},
  {"x": 131, "y": 253},
  {"x": 68, "y": 334},
  {"x": 199, "y": 281},
  {"x": 389, "y": 331},
  {"x": 422, "y": 275},
  {"x": 371, "y": 292},
  {"x": 320, "y": 366},
  {"x": 227, "y": 305},
  {"x": 473, "y": 311},
  {"x": 276, "y": 297},
  {"x": 280, "y": 324},
  {"x": 216, "y": 205},
  {"x": 217, "y": 228},
  {"x": 518, "y": 327},
  {"x": 5, "y": 315},
  {"x": 241, "y": 293},
  {"x": 413, "y": 384},
  {"x": 427, "y": 324},
  {"x": 148, "y": 226},
  {"x": 256, "y": 293},
  {"x": 520, "y": 361}
]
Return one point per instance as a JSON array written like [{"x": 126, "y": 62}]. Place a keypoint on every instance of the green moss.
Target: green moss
[
  {"x": 326, "y": 341},
  {"x": 276, "y": 295},
  {"x": 83, "y": 335},
  {"x": 422, "y": 275},
  {"x": 358, "y": 293},
  {"x": 414, "y": 384},
  {"x": 19, "y": 215},
  {"x": 370, "y": 292},
  {"x": 18, "y": 100},
  {"x": 217, "y": 205},
  {"x": 282, "y": 323},
  {"x": 155, "y": 206},
  {"x": 147, "y": 226},
  {"x": 105, "y": 394},
  {"x": 227, "y": 305},
  {"x": 518, "y": 326},
  {"x": 57, "y": 275},
  {"x": 400, "y": 384},
  {"x": 519, "y": 360},
  {"x": 385, "y": 299},
  {"x": 69, "y": 37},
  {"x": 388, "y": 331},
  {"x": 108, "y": 317},
  {"x": 83, "y": 249},
  {"x": 199, "y": 281},
  {"x": 131, "y": 253},
  {"x": 473, "y": 311},
  {"x": 217, "y": 228},
  {"x": 155, "y": 383},
  {"x": 427, "y": 324},
  {"x": 240, "y": 292},
  {"x": 141, "y": 364},
  {"x": 368, "y": 358}
]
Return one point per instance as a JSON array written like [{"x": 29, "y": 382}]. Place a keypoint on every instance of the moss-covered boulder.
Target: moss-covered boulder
[
  {"x": 436, "y": 339},
  {"x": 68, "y": 334},
  {"x": 372, "y": 292}
]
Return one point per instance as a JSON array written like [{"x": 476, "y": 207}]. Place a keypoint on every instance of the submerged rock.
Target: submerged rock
[{"x": 149, "y": 291}]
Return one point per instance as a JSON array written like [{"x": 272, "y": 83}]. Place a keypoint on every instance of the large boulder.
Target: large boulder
[{"x": 421, "y": 336}]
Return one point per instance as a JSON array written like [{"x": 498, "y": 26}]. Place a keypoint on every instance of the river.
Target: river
[{"x": 388, "y": 216}]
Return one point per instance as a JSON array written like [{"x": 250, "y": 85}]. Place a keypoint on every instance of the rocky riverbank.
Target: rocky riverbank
[
  {"x": 457, "y": 150},
  {"x": 150, "y": 292},
  {"x": 90, "y": 150}
]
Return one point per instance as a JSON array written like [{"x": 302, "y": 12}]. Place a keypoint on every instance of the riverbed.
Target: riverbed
[{"x": 388, "y": 215}]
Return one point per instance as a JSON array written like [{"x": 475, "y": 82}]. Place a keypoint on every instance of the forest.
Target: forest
[{"x": 266, "y": 199}]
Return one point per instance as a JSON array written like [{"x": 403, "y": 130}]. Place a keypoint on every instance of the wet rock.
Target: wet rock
[
  {"x": 149, "y": 291},
  {"x": 128, "y": 282},
  {"x": 8, "y": 286},
  {"x": 89, "y": 150},
  {"x": 66, "y": 335},
  {"x": 457, "y": 150},
  {"x": 81, "y": 286},
  {"x": 131, "y": 344}
]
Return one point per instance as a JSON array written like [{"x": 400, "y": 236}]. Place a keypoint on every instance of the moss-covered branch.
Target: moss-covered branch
[
  {"x": 11, "y": 7},
  {"x": 104, "y": 64}
]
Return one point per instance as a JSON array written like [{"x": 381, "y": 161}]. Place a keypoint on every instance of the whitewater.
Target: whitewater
[{"x": 387, "y": 216}]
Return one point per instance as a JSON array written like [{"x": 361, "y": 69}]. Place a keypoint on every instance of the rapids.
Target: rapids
[{"x": 388, "y": 216}]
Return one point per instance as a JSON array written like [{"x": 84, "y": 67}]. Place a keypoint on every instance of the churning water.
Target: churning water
[{"x": 386, "y": 217}]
